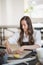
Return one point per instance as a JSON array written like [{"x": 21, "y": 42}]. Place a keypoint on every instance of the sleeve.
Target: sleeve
[
  {"x": 37, "y": 37},
  {"x": 14, "y": 38}
]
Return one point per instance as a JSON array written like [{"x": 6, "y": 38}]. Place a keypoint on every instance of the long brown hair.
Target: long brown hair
[{"x": 30, "y": 30}]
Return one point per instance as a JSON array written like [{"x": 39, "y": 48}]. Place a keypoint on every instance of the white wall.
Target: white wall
[
  {"x": 3, "y": 11},
  {"x": 0, "y": 11},
  {"x": 11, "y": 11}
]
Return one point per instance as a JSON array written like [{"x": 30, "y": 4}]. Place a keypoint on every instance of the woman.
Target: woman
[{"x": 26, "y": 38}]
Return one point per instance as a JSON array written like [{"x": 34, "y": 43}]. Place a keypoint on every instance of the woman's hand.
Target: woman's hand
[
  {"x": 9, "y": 50},
  {"x": 20, "y": 50}
]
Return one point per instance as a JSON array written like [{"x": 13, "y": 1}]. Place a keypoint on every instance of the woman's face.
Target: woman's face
[{"x": 24, "y": 25}]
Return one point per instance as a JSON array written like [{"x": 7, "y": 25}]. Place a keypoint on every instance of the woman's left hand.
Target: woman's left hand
[{"x": 20, "y": 50}]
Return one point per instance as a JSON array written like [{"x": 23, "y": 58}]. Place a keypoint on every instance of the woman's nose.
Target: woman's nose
[{"x": 23, "y": 26}]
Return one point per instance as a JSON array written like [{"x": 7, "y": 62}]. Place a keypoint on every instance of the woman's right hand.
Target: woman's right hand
[
  {"x": 20, "y": 50},
  {"x": 9, "y": 50}
]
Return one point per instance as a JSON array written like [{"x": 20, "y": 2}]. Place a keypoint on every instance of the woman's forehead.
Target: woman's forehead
[{"x": 23, "y": 22}]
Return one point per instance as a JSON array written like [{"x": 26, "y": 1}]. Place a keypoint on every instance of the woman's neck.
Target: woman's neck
[{"x": 26, "y": 32}]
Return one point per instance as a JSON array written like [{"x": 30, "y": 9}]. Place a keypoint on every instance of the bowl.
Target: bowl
[{"x": 40, "y": 54}]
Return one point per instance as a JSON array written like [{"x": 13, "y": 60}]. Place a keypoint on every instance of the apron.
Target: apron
[{"x": 24, "y": 43}]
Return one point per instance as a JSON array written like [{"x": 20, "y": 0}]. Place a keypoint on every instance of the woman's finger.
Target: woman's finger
[{"x": 19, "y": 52}]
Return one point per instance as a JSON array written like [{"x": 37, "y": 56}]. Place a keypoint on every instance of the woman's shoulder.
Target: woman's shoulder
[
  {"x": 14, "y": 38},
  {"x": 36, "y": 32},
  {"x": 16, "y": 34}
]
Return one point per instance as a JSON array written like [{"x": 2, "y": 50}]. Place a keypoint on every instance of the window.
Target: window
[{"x": 33, "y": 8}]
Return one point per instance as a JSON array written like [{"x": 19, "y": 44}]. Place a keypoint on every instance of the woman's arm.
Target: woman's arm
[
  {"x": 11, "y": 40},
  {"x": 30, "y": 47},
  {"x": 7, "y": 45}
]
